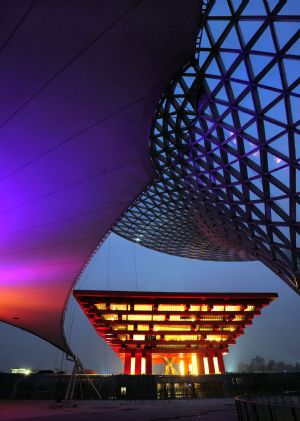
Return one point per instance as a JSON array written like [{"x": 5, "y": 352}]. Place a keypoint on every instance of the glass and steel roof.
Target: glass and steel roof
[{"x": 225, "y": 143}]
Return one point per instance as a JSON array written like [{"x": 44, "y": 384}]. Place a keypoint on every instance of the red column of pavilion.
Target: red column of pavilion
[
  {"x": 138, "y": 363},
  {"x": 200, "y": 364},
  {"x": 148, "y": 363},
  {"x": 211, "y": 366},
  {"x": 221, "y": 363},
  {"x": 127, "y": 363}
]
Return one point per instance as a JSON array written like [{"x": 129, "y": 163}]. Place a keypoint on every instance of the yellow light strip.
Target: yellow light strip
[
  {"x": 100, "y": 306},
  {"x": 181, "y": 367},
  {"x": 171, "y": 307},
  {"x": 194, "y": 365},
  {"x": 132, "y": 365},
  {"x": 143, "y": 366},
  {"x": 122, "y": 307},
  {"x": 206, "y": 367},
  {"x": 138, "y": 337},
  {"x": 216, "y": 365},
  {"x": 143, "y": 307}
]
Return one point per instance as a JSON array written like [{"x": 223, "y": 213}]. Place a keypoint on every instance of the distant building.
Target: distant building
[{"x": 25, "y": 371}]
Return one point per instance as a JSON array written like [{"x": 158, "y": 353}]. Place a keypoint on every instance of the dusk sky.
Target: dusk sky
[{"x": 273, "y": 335}]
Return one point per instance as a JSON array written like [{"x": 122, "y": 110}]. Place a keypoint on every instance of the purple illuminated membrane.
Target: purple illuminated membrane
[{"x": 80, "y": 83}]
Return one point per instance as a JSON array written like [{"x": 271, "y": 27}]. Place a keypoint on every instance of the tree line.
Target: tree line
[{"x": 260, "y": 365}]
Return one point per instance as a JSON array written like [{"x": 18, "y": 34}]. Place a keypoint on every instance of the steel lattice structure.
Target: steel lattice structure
[{"x": 225, "y": 143}]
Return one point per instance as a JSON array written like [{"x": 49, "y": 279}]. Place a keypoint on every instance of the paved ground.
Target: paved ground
[{"x": 181, "y": 410}]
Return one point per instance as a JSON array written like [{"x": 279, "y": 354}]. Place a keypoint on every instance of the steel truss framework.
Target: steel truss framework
[{"x": 225, "y": 142}]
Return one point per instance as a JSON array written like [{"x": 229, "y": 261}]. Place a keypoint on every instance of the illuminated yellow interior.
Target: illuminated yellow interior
[
  {"x": 100, "y": 306},
  {"x": 111, "y": 316},
  {"x": 218, "y": 308},
  {"x": 138, "y": 317},
  {"x": 173, "y": 346},
  {"x": 159, "y": 317},
  {"x": 181, "y": 337},
  {"x": 119, "y": 327},
  {"x": 178, "y": 317},
  {"x": 138, "y": 337},
  {"x": 216, "y": 337},
  {"x": 230, "y": 328},
  {"x": 119, "y": 307},
  {"x": 239, "y": 318},
  {"x": 171, "y": 327},
  {"x": 199, "y": 307},
  {"x": 171, "y": 307},
  {"x": 232, "y": 308},
  {"x": 211, "y": 318},
  {"x": 203, "y": 328},
  {"x": 143, "y": 327},
  {"x": 143, "y": 307},
  {"x": 250, "y": 308}
]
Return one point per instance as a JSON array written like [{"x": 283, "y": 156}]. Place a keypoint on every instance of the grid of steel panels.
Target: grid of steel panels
[{"x": 225, "y": 143}]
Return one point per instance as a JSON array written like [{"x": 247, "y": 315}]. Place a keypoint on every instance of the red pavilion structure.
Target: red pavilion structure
[{"x": 188, "y": 332}]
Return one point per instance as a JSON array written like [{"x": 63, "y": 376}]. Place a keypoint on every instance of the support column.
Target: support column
[
  {"x": 138, "y": 363},
  {"x": 211, "y": 365},
  {"x": 127, "y": 363},
  {"x": 148, "y": 358},
  {"x": 200, "y": 364},
  {"x": 186, "y": 362},
  {"x": 221, "y": 363}
]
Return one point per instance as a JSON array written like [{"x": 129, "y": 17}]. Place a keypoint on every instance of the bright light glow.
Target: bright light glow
[
  {"x": 181, "y": 367},
  {"x": 216, "y": 365},
  {"x": 143, "y": 366},
  {"x": 277, "y": 160},
  {"x": 206, "y": 366},
  {"x": 25, "y": 371},
  {"x": 132, "y": 365}
]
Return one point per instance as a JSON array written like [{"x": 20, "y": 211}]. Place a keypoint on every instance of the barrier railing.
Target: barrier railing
[{"x": 271, "y": 407}]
